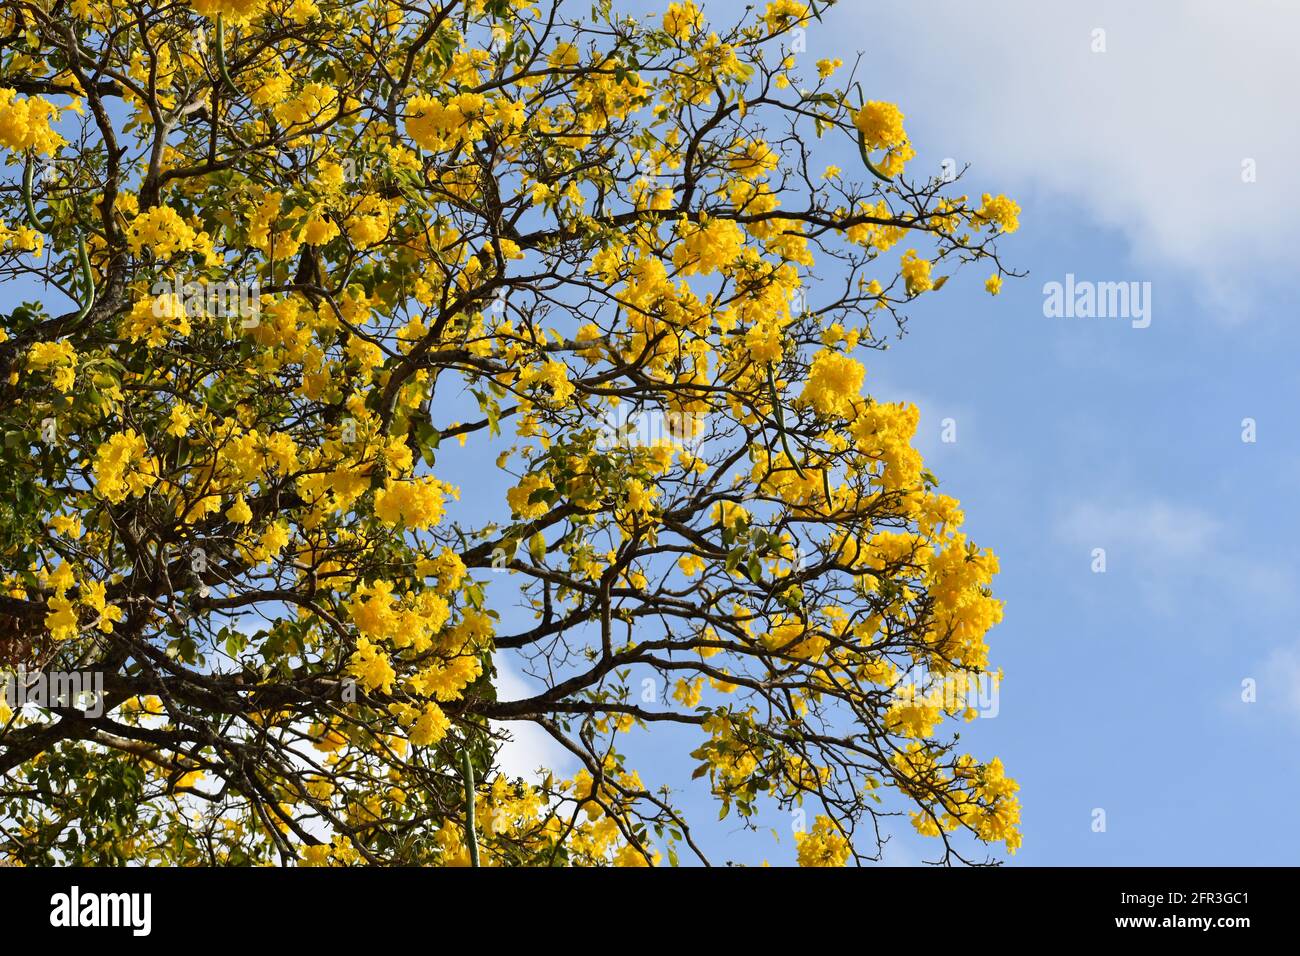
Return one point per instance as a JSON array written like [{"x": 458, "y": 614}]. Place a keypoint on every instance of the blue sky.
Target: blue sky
[{"x": 1123, "y": 689}]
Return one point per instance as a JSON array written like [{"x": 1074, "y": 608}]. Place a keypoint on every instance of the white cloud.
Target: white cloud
[
  {"x": 529, "y": 747},
  {"x": 1152, "y": 530},
  {"x": 1150, "y": 135},
  {"x": 1176, "y": 553}
]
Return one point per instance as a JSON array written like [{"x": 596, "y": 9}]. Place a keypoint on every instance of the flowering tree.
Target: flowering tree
[{"x": 291, "y": 258}]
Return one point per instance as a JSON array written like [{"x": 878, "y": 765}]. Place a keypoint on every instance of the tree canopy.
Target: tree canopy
[{"x": 289, "y": 260}]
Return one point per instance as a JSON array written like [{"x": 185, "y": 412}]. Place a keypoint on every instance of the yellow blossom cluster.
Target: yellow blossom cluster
[
  {"x": 123, "y": 468},
  {"x": 59, "y": 358},
  {"x": 823, "y": 845},
  {"x": 834, "y": 383},
  {"x": 25, "y": 123},
  {"x": 165, "y": 233}
]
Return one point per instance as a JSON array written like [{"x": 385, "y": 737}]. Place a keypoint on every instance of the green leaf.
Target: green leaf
[{"x": 537, "y": 547}]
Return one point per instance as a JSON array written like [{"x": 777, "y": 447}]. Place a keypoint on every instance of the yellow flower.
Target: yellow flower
[
  {"x": 233, "y": 11},
  {"x": 916, "y": 272},
  {"x": 689, "y": 692},
  {"x": 371, "y": 667},
  {"x": 45, "y": 354},
  {"x": 826, "y": 67},
  {"x": 94, "y": 597},
  {"x": 25, "y": 124},
  {"x": 564, "y": 55},
  {"x": 752, "y": 158},
  {"x": 640, "y": 498},
  {"x": 710, "y": 245},
  {"x": 437, "y": 124},
  {"x": 993, "y": 284},
  {"x": 520, "y": 497},
  {"x": 62, "y": 619},
  {"x": 881, "y": 127},
  {"x": 431, "y": 726},
  {"x": 823, "y": 845},
  {"x": 782, "y": 14},
  {"x": 69, "y": 525},
  {"x": 273, "y": 541},
  {"x": 682, "y": 20},
  {"x": 163, "y": 232},
  {"x": 553, "y": 374},
  {"x": 412, "y": 504},
  {"x": 178, "y": 421},
  {"x": 239, "y": 512},
  {"x": 691, "y": 564},
  {"x": 156, "y": 319},
  {"x": 1000, "y": 210},
  {"x": 59, "y": 356},
  {"x": 834, "y": 381},
  {"x": 123, "y": 468},
  {"x": 881, "y": 124},
  {"x": 764, "y": 343}
]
